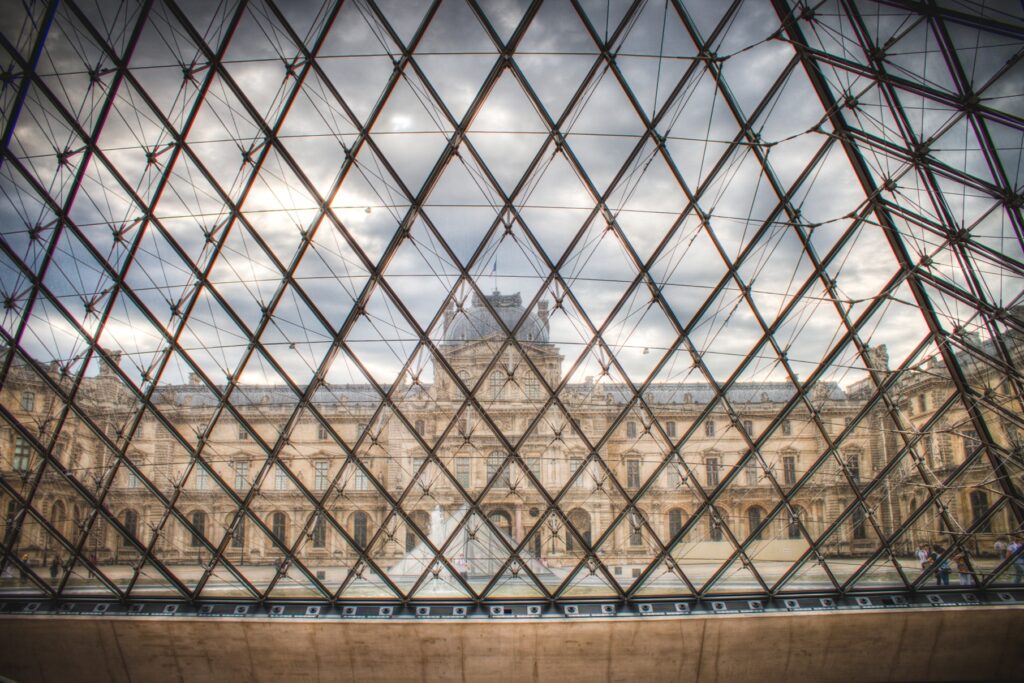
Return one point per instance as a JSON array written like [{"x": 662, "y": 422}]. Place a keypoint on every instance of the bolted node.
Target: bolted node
[
  {"x": 458, "y": 611},
  {"x": 385, "y": 611},
  {"x": 241, "y": 610},
  {"x": 348, "y": 611},
  {"x": 423, "y": 611},
  {"x": 607, "y": 609},
  {"x": 533, "y": 610},
  {"x": 646, "y": 608},
  {"x": 571, "y": 610}
]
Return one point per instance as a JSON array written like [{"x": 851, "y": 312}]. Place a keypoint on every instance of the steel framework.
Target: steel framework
[{"x": 242, "y": 198}]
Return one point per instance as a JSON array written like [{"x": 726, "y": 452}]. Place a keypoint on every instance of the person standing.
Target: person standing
[
  {"x": 963, "y": 568},
  {"x": 1018, "y": 563},
  {"x": 924, "y": 555},
  {"x": 943, "y": 569},
  {"x": 53, "y": 569}
]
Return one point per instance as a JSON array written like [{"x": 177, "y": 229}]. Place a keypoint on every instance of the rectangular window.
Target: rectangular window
[
  {"x": 675, "y": 479},
  {"x": 633, "y": 474},
  {"x": 360, "y": 482},
  {"x": 280, "y": 479},
  {"x": 970, "y": 442},
  {"x": 789, "y": 470},
  {"x": 922, "y": 403},
  {"x": 631, "y": 430},
  {"x": 711, "y": 467},
  {"x": 751, "y": 474},
  {"x": 131, "y": 480},
  {"x": 320, "y": 475},
  {"x": 321, "y": 433},
  {"x": 636, "y": 536},
  {"x": 241, "y": 475},
  {"x": 574, "y": 465},
  {"x": 21, "y": 455},
  {"x": 532, "y": 387},
  {"x": 670, "y": 429},
  {"x": 242, "y": 434},
  {"x": 534, "y": 465},
  {"x": 28, "y": 401},
  {"x": 854, "y": 465},
  {"x": 202, "y": 480},
  {"x": 709, "y": 428},
  {"x": 463, "y": 472},
  {"x": 748, "y": 427},
  {"x": 787, "y": 428}
]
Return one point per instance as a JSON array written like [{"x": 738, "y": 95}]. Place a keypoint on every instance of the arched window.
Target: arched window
[
  {"x": 793, "y": 528},
  {"x": 199, "y": 522},
  {"x": 502, "y": 521},
  {"x": 754, "y": 516},
  {"x": 535, "y": 543},
  {"x": 238, "y": 535},
  {"x": 714, "y": 529},
  {"x": 319, "y": 533},
  {"x": 580, "y": 519},
  {"x": 58, "y": 517},
  {"x": 675, "y": 521},
  {"x": 636, "y": 528},
  {"x": 979, "y": 506},
  {"x": 279, "y": 527},
  {"x": 422, "y": 520},
  {"x": 860, "y": 531},
  {"x": 9, "y": 519},
  {"x": 420, "y": 429},
  {"x": 130, "y": 519},
  {"x": 359, "y": 523}
]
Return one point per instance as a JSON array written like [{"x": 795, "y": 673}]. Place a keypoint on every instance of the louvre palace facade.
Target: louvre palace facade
[{"x": 510, "y": 493}]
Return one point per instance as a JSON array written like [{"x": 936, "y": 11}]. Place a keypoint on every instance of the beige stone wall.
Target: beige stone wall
[{"x": 905, "y": 645}]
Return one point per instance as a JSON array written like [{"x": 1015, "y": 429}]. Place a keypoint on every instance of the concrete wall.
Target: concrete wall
[{"x": 906, "y": 645}]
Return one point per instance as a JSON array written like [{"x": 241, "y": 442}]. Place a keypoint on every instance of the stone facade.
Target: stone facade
[{"x": 629, "y": 476}]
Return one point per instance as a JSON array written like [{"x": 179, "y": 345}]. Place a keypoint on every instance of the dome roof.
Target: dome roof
[{"x": 476, "y": 322}]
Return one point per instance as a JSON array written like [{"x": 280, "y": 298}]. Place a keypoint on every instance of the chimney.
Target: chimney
[
  {"x": 193, "y": 379},
  {"x": 877, "y": 358},
  {"x": 449, "y": 315}
]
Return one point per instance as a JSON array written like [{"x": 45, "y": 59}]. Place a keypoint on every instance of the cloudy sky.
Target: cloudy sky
[{"x": 556, "y": 173}]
